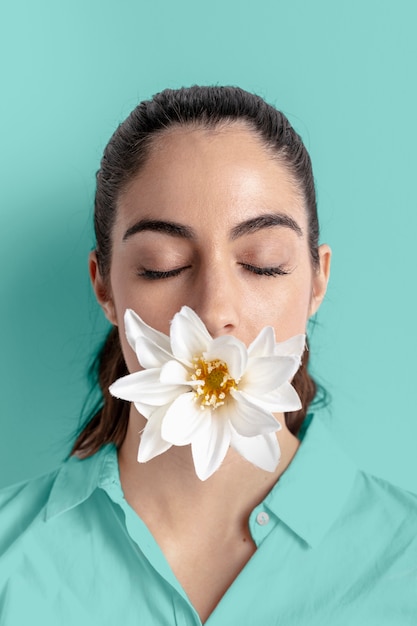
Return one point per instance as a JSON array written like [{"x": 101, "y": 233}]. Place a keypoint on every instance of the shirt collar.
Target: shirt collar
[
  {"x": 311, "y": 493},
  {"x": 78, "y": 478},
  {"x": 308, "y": 497}
]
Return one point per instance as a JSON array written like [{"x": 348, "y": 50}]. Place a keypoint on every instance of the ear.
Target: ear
[
  {"x": 101, "y": 289},
  {"x": 320, "y": 278}
]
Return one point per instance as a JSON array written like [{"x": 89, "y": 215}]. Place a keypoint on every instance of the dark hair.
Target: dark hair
[{"x": 124, "y": 155}]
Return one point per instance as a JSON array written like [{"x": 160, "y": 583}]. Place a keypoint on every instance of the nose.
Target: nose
[{"x": 216, "y": 299}]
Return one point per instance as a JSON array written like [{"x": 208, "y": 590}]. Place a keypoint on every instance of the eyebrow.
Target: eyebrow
[
  {"x": 267, "y": 220},
  {"x": 159, "y": 226}
]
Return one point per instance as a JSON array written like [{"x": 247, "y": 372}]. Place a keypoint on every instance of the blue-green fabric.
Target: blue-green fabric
[{"x": 335, "y": 546}]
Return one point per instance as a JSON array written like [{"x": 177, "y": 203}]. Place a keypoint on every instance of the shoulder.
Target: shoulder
[
  {"x": 372, "y": 493},
  {"x": 336, "y": 474},
  {"x": 21, "y": 505},
  {"x": 24, "y": 506},
  {"x": 381, "y": 520},
  {"x": 46, "y": 536}
]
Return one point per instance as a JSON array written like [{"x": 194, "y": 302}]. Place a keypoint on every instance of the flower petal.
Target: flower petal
[
  {"x": 293, "y": 346},
  {"x": 135, "y": 327},
  {"x": 261, "y": 450},
  {"x": 247, "y": 418},
  {"x": 151, "y": 442},
  {"x": 231, "y": 351},
  {"x": 189, "y": 336},
  {"x": 183, "y": 419},
  {"x": 144, "y": 387},
  {"x": 145, "y": 410},
  {"x": 174, "y": 373},
  {"x": 263, "y": 344},
  {"x": 281, "y": 400},
  {"x": 150, "y": 355},
  {"x": 210, "y": 446},
  {"x": 264, "y": 374}
]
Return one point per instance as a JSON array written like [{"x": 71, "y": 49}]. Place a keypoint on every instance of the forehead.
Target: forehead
[{"x": 197, "y": 175}]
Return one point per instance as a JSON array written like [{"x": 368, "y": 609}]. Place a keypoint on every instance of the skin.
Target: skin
[{"x": 212, "y": 183}]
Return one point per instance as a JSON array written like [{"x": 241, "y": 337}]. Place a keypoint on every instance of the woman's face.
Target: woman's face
[{"x": 212, "y": 221}]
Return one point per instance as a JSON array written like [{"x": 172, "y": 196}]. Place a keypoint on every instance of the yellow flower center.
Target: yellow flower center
[{"x": 216, "y": 382}]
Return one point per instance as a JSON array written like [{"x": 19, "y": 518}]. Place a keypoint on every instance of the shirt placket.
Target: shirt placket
[{"x": 184, "y": 613}]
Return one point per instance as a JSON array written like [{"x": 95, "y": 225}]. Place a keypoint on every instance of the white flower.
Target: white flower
[{"x": 210, "y": 393}]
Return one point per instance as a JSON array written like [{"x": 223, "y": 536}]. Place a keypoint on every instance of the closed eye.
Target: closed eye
[
  {"x": 265, "y": 271},
  {"x": 158, "y": 275},
  {"x": 149, "y": 274}
]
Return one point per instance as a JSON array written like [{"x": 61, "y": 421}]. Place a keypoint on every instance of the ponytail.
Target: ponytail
[
  {"x": 306, "y": 388},
  {"x": 109, "y": 423}
]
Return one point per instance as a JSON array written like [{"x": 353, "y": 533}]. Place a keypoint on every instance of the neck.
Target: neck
[{"x": 167, "y": 488}]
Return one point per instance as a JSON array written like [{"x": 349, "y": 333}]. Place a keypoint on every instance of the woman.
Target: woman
[{"x": 205, "y": 198}]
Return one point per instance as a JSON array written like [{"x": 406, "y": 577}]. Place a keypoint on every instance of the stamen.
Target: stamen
[{"x": 215, "y": 382}]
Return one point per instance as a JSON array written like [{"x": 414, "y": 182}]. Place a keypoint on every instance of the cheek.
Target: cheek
[
  {"x": 286, "y": 309},
  {"x": 124, "y": 298},
  {"x": 155, "y": 302},
  {"x": 157, "y": 312}
]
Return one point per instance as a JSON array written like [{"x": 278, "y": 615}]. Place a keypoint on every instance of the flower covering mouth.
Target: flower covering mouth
[{"x": 210, "y": 393}]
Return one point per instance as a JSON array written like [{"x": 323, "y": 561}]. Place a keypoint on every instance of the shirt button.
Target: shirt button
[{"x": 262, "y": 518}]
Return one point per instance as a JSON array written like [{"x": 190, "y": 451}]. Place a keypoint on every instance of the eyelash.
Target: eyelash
[
  {"x": 156, "y": 275},
  {"x": 265, "y": 271},
  {"x": 259, "y": 271}
]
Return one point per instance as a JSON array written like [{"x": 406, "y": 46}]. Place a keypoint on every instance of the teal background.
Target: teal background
[{"x": 344, "y": 73}]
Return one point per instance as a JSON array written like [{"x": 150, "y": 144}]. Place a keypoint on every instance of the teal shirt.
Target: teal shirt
[{"x": 335, "y": 546}]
